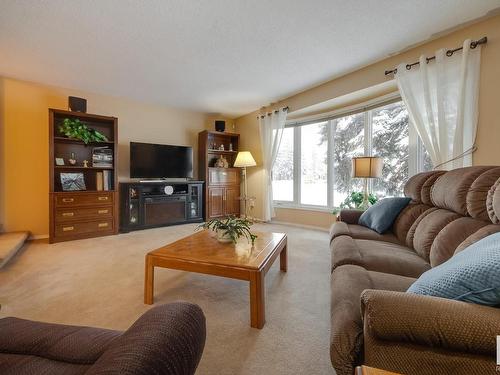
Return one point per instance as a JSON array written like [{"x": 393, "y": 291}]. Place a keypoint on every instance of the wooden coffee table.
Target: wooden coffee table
[{"x": 202, "y": 253}]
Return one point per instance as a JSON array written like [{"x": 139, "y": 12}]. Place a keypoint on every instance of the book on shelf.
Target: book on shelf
[
  {"x": 106, "y": 180},
  {"x": 99, "y": 181},
  {"x": 102, "y": 157}
]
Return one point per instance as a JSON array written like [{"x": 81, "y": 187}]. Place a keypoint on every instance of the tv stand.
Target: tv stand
[{"x": 146, "y": 205}]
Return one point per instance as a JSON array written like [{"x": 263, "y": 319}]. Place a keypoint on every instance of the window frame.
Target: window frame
[{"x": 415, "y": 146}]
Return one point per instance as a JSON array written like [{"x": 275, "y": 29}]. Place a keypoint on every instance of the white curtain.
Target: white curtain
[
  {"x": 442, "y": 100},
  {"x": 271, "y": 128}
]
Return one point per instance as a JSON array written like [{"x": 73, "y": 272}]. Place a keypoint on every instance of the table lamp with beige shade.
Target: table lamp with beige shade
[
  {"x": 243, "y": 160},
  {"x": 366, "y": 167}
]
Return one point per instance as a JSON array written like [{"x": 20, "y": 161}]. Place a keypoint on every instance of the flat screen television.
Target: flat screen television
[{"x": 149, "y": 160}]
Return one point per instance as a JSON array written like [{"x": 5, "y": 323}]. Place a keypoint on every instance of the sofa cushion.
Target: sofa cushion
[
  {"x": 377, "y": 256},
  {"x": 411, "y": 232},
  {"x": 346, "y": 335},
  {"x": 406, "y": 218},
  {"x": 415, "y": 184},
  {"x": 478, "y": 235},
  {"x": 358, "y": 231},
  {"x": 64, "y": 343},
  {"x": 382, "y": 214},
  {"x": 478, "y": 193},
  {"x": 471, "y": 275},
  {"x": 493, "y": 203},
  {"x": 16, "y": 364},
  {"x": 450, "y": 190},
  {"x": 451, "y": 236},
  {"x": 427, "y": 187},
  {"x": 429, "y": 227}
]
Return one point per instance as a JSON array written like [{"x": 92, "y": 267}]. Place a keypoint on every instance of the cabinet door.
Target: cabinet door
[
  {"x": 224, "y": 176},
  {"x": 215, "y": 202},
  {"x": 232, "y": 203}
]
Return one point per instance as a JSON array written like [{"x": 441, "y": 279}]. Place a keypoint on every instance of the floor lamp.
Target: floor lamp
[
  {"x": 366, "y": 167},
  {"x": 243, "y": 160}
]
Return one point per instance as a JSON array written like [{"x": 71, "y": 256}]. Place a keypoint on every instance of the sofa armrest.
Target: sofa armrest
[
  {"x": 58, "y": 342},
  {"x": 167, "y": 339},
  {"x": 430, "y": 321},
  {"x": 350, "y": 216}
]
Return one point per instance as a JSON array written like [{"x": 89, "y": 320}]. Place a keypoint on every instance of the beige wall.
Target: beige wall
[
  {"x": 24, "y": 142},
  {"x": 489, "y": 119},
  {"x": 306, "y": 218}
]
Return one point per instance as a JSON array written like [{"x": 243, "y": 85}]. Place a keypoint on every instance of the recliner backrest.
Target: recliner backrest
[{"x": 448, "y": 209}]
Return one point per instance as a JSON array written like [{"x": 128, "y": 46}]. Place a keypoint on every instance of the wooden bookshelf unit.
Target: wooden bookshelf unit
[
  {"x": 89, "y": 212},
  {"x": 222, "y": 185}
]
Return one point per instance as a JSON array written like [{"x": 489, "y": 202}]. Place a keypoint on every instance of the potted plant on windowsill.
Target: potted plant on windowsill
[
  {"x": 230, "y": 229},
  {"x": 354, "y": 201}
]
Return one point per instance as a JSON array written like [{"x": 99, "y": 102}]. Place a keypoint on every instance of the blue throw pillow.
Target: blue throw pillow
[
  {"x": 382, "y": 214},
  {"x": 472, "y": 275}
]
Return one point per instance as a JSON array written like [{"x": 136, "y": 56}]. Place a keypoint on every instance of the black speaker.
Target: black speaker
[
  {"x": 77, "y": 104},
  {"x": 220, "y": 125}
]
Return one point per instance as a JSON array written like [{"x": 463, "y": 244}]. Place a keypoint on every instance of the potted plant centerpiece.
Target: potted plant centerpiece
[{"x": 230, "y": 229}]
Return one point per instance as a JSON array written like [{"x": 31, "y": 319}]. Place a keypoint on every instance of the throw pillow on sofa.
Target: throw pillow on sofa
[
  {"x": 472, "y": 275},
  {"x": 382, "y": 214}
]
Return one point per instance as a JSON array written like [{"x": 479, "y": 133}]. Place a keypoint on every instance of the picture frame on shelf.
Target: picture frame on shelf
[
  {"x": 73, "y": 182},
  {"x": 60, "y": 161}
]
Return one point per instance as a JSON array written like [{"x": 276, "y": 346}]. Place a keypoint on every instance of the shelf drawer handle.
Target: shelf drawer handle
[
  {"x": 102, "y": 198},
  {"x": 102, "y": 211},
  {"x": 68, "y": 214},
  {"x": 102, "y": 225},
  {"x": 68, "y": 200},
  {"x": 68, "y": 229}
]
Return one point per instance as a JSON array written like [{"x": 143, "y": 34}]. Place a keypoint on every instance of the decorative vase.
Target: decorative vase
[{"x": 223, "y": 237}]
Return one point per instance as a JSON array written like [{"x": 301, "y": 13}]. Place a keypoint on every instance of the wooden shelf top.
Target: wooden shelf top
[
  {"x": 222, "y": 151},
  {"x": 220, "y": 133},
  {"x": 223, "y": 169},
  {"x": 80, "y": 167},
  {"x": 73, "y": 192},
  {"x": 77, "y": 141},
  {"x": 85, "y": 115}
]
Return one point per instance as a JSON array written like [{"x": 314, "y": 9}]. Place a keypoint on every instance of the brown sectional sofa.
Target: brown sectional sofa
[{"x": 373, "y": 320}]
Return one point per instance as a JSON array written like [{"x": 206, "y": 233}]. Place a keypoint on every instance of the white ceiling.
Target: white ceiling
[{"x": 218, "y": 56}]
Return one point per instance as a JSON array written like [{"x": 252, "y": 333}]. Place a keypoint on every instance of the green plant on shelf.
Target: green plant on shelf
[
  {"x": 354, "y": 201},
  {"x": 230, "y": 229},
  {"x": 76, "y": 129}
]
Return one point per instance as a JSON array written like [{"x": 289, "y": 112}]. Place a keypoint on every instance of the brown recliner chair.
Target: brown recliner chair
[
  {"x": 167, "y": 339},
  {"x": 373, "y": 320}
]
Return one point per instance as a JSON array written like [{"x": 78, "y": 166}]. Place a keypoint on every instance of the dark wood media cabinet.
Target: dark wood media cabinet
[{"x": 150, "y": 204}]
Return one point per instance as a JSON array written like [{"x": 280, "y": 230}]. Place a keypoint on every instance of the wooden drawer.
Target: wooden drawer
[
  {"x": 64, "y": 215},
  {"x": 83, "y": 199},
  {"x": 224, "y": 176},
  {"x": 77, "y": 228}
]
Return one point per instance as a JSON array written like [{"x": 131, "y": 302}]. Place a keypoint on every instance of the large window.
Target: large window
[
  {"x": 313, "y": 166},
  {"x": 347, "y": 140},
  {"x": 283, "y": 169}
]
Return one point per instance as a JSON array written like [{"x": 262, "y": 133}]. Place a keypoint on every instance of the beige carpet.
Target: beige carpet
[{"x": 99, "y": 282}]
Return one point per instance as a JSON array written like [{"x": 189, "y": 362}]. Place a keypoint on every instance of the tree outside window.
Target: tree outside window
[{"x": 321, "y": 169}]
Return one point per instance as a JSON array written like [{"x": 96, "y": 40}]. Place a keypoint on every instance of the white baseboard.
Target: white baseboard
[
  {"x": 298, "y": 225},
  {"x": 38, "y": 237}
]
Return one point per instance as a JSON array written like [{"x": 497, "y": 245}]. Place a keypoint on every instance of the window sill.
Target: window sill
[{"x": 303, "y": 207}]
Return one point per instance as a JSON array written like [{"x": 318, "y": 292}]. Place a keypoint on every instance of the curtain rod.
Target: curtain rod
[
  {"x": 284, "y": 109},
  {"x": 449, "y": 53}
]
